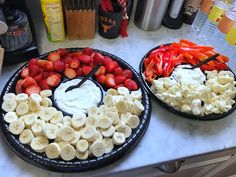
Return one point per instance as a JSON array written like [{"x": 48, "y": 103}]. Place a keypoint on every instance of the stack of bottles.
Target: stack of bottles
[{"x": 215, "y": 25}]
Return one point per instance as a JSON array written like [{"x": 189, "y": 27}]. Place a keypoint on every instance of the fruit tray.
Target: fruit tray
[
  {"x": 170, "y": 108},
  {"x": 40, "y": 159}
]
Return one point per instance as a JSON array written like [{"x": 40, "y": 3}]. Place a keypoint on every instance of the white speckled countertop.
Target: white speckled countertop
[{"x": 168, "y": 136}]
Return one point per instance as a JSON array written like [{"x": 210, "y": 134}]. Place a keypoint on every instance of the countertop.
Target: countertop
[{"x": 168, "y": 136}]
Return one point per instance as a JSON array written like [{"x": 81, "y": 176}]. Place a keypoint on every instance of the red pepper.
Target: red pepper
[
  {"x": 220, "y": 66},
  {"x": 203, "y": 48},
  {"x": 187, "y": 42},
  {"x": 206, "y": 67},
  {"x": 222, "y": 58}
]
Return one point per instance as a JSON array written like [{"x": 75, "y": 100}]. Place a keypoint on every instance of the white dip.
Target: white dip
[
  {"x": 78, "y": 99},
  {"x": 188, "y": 76}
]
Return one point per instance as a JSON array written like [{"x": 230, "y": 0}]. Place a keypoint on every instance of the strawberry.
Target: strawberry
[
  {"x": 67, "y": 65},
  {"x": 41, "y": 63},
  {"x": 48, "y": 66},
  {"x": 28, "y": 81},
  {"x": 54, "y": 73},
  {"x": 120, "y": 85},
  {"x": 19, "y": 87},
  {"x": 131, "y": 84},
  {"x": 76, "y": 54},
  {"x": 53, "y": 80},
  {"x": 98, "y": 58},
  {"x": 118, "y": 71},
  {"x": 62, "y": 52},
  {"x": 45, "y": 74},
  {"x": 86, "y": 69},
  {"x": 128, "y": 73},
  {"x": 70, "y": 73},
  {"x": 110, "y": 75},
  {"x": 32, "y": 89},
  {"x": 59, "y": 66},
  {"x": 88, "y": 51},
  {"x": 106, "y": 60},
  {"x": 24, "y": 73},
  {"x": 38, "y": 78},
  {"x": 119, "y": 79},
  {"x": 101, "y": 71},
  {"x": 74, "y": 63},
  {"x": 34, "y": 70},
  {"x": 66, "y": 59},
  {"x": 85, "y": 59},
  {"x": 33, "y": 61},
  {"x": 110, "y": 66},
  {"x": 44, "y": 85},
  {"x": 54, "y": 56},
  {"x": 79, "y": 72},
  {"x": 101, "y": 79},
  {"x": 116, "y": 64},
  {"x": 110, "y": 82}
]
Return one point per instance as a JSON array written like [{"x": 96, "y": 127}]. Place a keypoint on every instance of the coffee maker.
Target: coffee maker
[{"x": 19, "y": 41}]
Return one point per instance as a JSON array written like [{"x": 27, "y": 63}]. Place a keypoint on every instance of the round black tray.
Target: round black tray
[
  {"x": 76, "y": 165},
  {"x": 172, "y": 109}
]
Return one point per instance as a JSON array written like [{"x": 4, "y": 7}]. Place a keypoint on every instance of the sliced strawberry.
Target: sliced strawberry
[
  {"x": 62, "y": 52},
  {"x": 70, "y": 73},
  {"x": 101, "y": 71},
  {"x": 32, "y": 89},
  {"x": 45, "y": 74},
  {"x": 24, "y": 73},
  {"x": 54, "y": 73},
  {"x": 44, "y": 85},
  {"x": 106, "y": 60},
  {"x": 116, "y": 64},
  {"x": 59, "y": 66},
  {"x": 74, "y": 63},
  {"x": 98, "y": 58},
  {"x": 67, "y": 65},
  {"x": 101, "y": 79},
  {"x": 33, "y": 61},
  {"x": 53, "y": 80},
  {"x": 110, "y": 75},
  {"x": 110, "y": 82},
  {"x": 66, "y": 59},
  {"x": 86, "y": 69},
  {"x": 118, "y": 71},
  {"x": 19, "y": 86},
  {"x": 86, "y": 59},
  {"x": 34, "y": 70},
  {"x": 128, "y": 73},
  {"x": 28, "y": 81},
  {"x": 120, "y": 79},
  {"x": 88, "y": 51},
  {"x": 79, "y": 72},
  {"x": 38, "y": 78},
  {"x": 54, "y": 56},
  {"x": 131, "y": 84},
  {"x": 41, "y": 63},
  {"x": 49, "y": 66},
  {"x": 120, "y": 85},
  {"x": 76, "y": 54},
  {"x": 110, "y": 66}
]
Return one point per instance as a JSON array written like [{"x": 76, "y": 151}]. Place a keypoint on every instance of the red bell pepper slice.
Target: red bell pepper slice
[
  {"x": 187, "y": 42},
  {"x": 222, "y": 58}
]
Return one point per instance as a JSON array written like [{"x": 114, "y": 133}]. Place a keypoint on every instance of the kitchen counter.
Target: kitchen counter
[{"x": 168, "y": 136}]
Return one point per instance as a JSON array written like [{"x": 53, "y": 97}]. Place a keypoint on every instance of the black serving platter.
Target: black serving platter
[
  {"x": 171, "y": 108},
  {"x": 58, "y": 165}
]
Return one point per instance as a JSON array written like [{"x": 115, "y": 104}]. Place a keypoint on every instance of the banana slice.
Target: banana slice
[
  {"x": 21, "y": 98},
  {"x": 16, "y": 127},
  {"x": 34, "y": 105},
  {"x": 46, "y": 102},
  {"x": 35, "y": 97},
  {"x": 104, "y": 122},
  {"x": 67, "y": 133},
  {"x": 82, "y": 145},
  {"x": 130, "y": 105},
  {"x": 117, "y": 98},
  {"x": 10, "y": 117},
  {"x": 92, "y": 121},
  {"x": 101, "y": 109},
  {"x": 108, "y": 100},
  {"x": 67, "y": 119},
  {"x": 46, "y": 93},
  {"x": 53, "y": 151},
  {"x": 76, "y": 138},
  {"x": 128, "y": 98},
  {"x": 98, "y": 149},
  {"x": 124, "y": 116},
  {"x": 9, "y": 96},
  {"x": 9, "y": 105},
  {"x": 93, "y": 111},
  {"x": 60, "y": 125},
  {"x": 133, "y": 121},
  {"x": 113, "y": 116},
  {"x": 108, "y": 132},
  {"x": 127, "y": 131},
  {"x": 112, "y": 92},
  {"x": 98, "y": 137},
  {"x": 108, "y": 143},
  {"x": 118, "y": 138},
  {"x": 50, "y": 131},
  {"x": 136, "y": 95},
  {"x": 120, "y": 127},
  {"x": 47, "y": 113},
  {"x": 138, "y": 108},
  {"x": 89, "y": 133},
  {"x": 39, "y": 143},
  {"x": 123, "y": 91},
  {"x": 57, "y": 118},
  {"x": 78, "y": 120},
  {"x": 62, "y": 144},
  {"x": 122, "y": 106},
  {"x": 29, "y": 119},
  {"x": 26, "y": 136},
  {"x": 68, "y": 152},
  {"x": 37, "y": 127},
  {"x": 82, "y": 155},
  {"x": 22, "y": 108}
]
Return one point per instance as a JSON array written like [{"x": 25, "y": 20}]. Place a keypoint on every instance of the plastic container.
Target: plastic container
[
  {"x": 191, "y": 9},
  {"x": 53, "y": 19}
]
